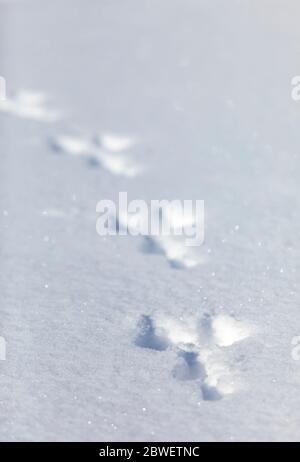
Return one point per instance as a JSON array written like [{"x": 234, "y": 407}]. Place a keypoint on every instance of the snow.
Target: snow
[
  {"x": 105, "y": 156},
  {"x": 125, "y": 338},
  {"x": 166, "y": 233},
  {"x": 28, "y": 104}
]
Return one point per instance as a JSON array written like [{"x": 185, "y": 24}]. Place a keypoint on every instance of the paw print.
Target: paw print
[
  {"x": 106, "y": 151},
  {"x": 199, "y": 347}
]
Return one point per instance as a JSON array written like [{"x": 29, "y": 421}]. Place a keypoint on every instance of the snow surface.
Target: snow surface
[{"x": 107, "y": 340}]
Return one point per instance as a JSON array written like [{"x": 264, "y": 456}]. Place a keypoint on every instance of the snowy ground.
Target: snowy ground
[{"x": 106, "y": 339}]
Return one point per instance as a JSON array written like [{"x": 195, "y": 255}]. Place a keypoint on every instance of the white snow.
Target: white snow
[
  {"x": 115, "y": 143},
  {"x": 174, "y": 247},
  {"x": 116, "y": 164},
  {"x": 125, "y": 338},
  {"x": 228, "y": 331},
  {"x": 29, "y": 105}
]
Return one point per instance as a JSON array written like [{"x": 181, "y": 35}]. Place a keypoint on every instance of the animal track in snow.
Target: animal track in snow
[
  {"x": 147, "y": 336},
  {"x": 178, "y": 254},
  {"x": 29, "y": 105},
  {"x": 227, "y": 331},
  {"x": 199, "y": 347},
  {"x": 107, "y": 151},
  {"x": 115, "y": 143},
  {"x": 173, "y": 247}
]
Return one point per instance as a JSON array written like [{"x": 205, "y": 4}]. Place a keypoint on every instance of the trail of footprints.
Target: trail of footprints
[
  {"x": 199, "y": 345},
  {"x": 112, "y": 153},
  {"x": 200, "y": 349}
]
